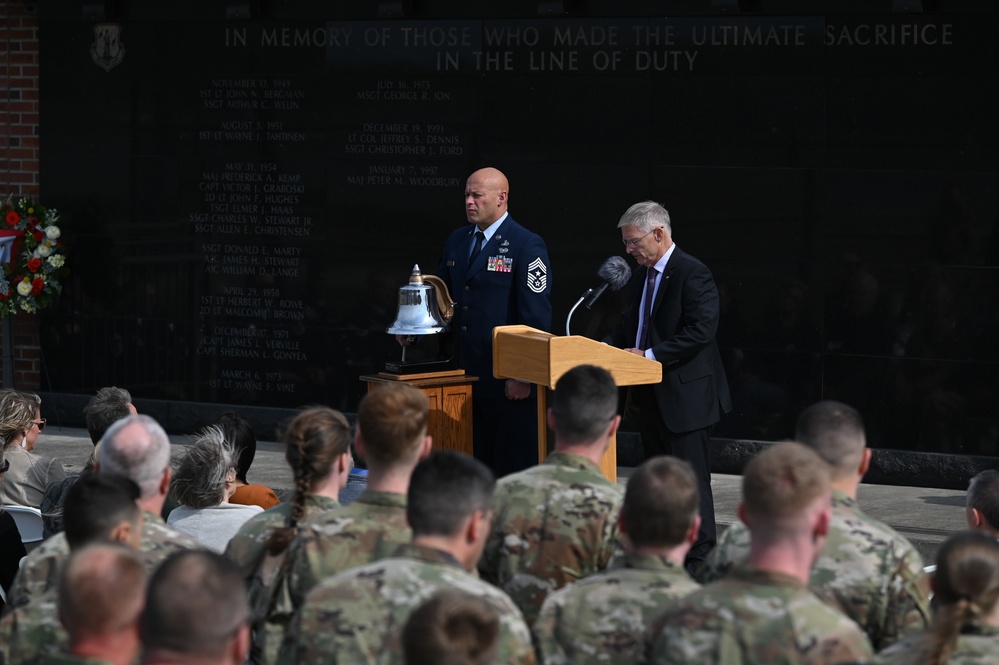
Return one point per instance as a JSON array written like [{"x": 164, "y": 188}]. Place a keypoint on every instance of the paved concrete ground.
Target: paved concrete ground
[{"x": 925, "y": 516}]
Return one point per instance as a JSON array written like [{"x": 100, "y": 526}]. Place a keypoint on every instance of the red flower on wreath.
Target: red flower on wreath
[
  {"x": 34, "y": 264},
  {"x": 12, "y": 218},
  {"x": 39, "y": 235},
  {"x": 37, "y": 285}
]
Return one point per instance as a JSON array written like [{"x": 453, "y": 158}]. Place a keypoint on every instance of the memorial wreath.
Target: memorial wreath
[{"x": 34, "y": 260}]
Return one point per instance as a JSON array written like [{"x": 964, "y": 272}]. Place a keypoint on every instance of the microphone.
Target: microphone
[{"x": 615, "y": 273}]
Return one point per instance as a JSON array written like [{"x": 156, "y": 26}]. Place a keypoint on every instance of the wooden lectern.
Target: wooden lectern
[{"x": 527, "y": 354}]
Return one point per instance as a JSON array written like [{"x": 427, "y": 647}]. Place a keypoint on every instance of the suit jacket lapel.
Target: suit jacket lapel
[{"x": 664, "y": 280}]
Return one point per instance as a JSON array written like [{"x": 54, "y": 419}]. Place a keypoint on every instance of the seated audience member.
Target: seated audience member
[
  {"x": 101, "y": 594},
  {"x": 762, "y": 612},
  {"x": 556, "y": 523},
  {"x": 240, "y": 435},
  {"x": 204, "y": 481},
  {"x": 392, "y": 436},
  {"x": 108, "y": 406},
  {"x": 317, "y": 448},
  {"x": 11, "y": 546},
  {"x": 982, "y": 506},
  {"x": 100, "y": 508},
  {"x": 604, "y": 618},
  {"x": 28, "y": 473},
  {"x": 357, "y": 481},
  {"x": 196, "y": 612},
  {"x": 452, "y": 628},
  {"x": 135, "y": 447},
  {"x": 358, "y": 615},
  {"x": 867, "y": 569},
  {"x": 965, "y": 627}
]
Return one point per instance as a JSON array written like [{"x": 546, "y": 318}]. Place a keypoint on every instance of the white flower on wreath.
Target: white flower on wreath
[
  {"x": 24, "y": 287},
  {"x": 52, "y": 232},
  {"x": 45, "y": 249},
  {"x": 56, "y": 260}
]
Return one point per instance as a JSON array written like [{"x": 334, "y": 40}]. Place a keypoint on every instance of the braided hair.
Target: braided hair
[
  {"x": 966, "y": 588},
  {"x": 313, "y": 440}
]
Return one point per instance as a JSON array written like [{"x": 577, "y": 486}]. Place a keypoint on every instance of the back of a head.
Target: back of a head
[
  {"x": 965, "y": 587},
  {"x": 96, "y": 504},
  {"x": 137, "y": 448},
  {"x": 983, "y": 496},
  {"x": 107, "y": 407},
  {"x": 102, "y": 589},
  {"x": 452, "y": 628},
  {"x": 836, "y": 432},
  {"x": 584, "y": 403},
  {"x": 195, "y": 604},
  {"x": 445, "y": 489},
  {"x": 239, "y": 433},
  {"x": 782, "y": 483},
  {"x": 660, "y": 503},
  {"x": 393, "y": 422},
  {"x": 200, "y": 480}
]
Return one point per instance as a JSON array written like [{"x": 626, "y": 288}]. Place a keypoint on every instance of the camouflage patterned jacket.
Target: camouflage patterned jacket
[
  {"x": 976, "y": 645},
  {"x": 67, "y": 659},
  {"x": 41, "y": 569},
  {"x": 31, "y": 625},
  {"x": 754, "y": 617},
  {"x": 357, "y": 617},
  {"x": 267, "y": 575},
  {"x": 868, "y": 570},
  {"x": 553, "y": 524},
  {"x": 604, "y": 618},
  {"x": 369, "y": 529}
]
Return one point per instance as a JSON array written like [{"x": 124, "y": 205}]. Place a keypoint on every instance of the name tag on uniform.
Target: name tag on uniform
[
  {"x": 500, "y": 264},
  {"x": 450, "y": 264}
]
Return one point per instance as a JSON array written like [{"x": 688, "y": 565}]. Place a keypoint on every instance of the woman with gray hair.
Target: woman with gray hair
[
  {"x": 29, "y": 473},
  {"x": 202, "y": 484}
]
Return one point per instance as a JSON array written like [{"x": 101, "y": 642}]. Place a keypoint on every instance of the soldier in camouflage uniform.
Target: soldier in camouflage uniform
[
  {"x": 100, "y": 508},
  {"x": 101, "y": 595},
  {"x": 556, "y": 523},
  {"x": 966, "y": 594},
  {"x": 867, "y": 570},
  {"x": 603, "y": 618},
  {"x": 317, "y": 448},
  {"x": 762, "y": 613},
  {"x": 358, "y": 616},
  {"x": 391, "y": 437},
  {"x": 982, "y": 506},
  {"x": 137, "y": 448}
]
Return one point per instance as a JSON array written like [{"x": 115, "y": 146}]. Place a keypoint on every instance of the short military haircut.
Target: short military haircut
[
  {"x": 444, "y": 490},
  {"x": 660, "y": 503},
  {"x": 96, "y": 504},
  {"x": 836, "y": 432},
  {"x": 783, "y": 481},
  {"x": 138, "y": 448},
  {"x": 102, "y": 589},
  {"x": 196, "y": 602},
  {"x": 107, "y": 407},
  {"x": 452, "y": 628},
  {"x": 983, "y": 496},
  {"x": 584, "y": 403},
  {"x": 393, "y": 421}
]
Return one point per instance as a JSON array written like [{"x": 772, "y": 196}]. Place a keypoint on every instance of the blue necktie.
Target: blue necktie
[
  {"x": 650, "y": 287},
  {"x": 476, "y": 246}
]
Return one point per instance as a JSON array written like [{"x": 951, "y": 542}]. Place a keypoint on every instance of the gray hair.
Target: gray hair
[
  {"x": 646, "y": 216},
  {"x": 137, "y": 448},
  {"x": 201, "y": 476},
  {"x": 109, "y": 405}
]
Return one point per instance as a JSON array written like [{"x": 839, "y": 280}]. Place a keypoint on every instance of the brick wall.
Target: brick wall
[{"x": 19, "y": 164}]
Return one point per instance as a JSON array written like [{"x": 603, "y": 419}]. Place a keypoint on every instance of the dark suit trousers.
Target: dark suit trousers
[
  {"x": 505, "y": 433},
  {"x": 692, "y": 447}
]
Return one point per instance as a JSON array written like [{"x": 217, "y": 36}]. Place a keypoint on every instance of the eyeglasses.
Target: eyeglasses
[
  {"x": 631, "y": 242},
  {"x": 41, "y": 423},
  {"x": 5, "y": 466}
]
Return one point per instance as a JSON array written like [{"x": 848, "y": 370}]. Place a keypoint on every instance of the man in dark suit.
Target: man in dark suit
[
  {"x": 673, "y": 318},
  {"x": 498, "y": 274}
]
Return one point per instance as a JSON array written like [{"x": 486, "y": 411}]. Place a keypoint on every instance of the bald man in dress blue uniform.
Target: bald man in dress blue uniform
[{"x": 498, "y": 274}]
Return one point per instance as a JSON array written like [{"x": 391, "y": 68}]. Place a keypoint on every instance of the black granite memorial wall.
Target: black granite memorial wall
[{"x": 244, "y": 197}]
